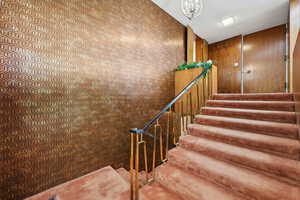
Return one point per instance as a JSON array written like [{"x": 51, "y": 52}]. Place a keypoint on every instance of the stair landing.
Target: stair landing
[{"x": 104, "y": 184}]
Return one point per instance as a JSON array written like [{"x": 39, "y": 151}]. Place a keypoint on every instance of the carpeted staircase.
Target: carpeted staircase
[{"x": 242, "y": 147}]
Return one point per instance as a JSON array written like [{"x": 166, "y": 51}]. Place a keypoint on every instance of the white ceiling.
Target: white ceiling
[{"x": 251, "y": 16}]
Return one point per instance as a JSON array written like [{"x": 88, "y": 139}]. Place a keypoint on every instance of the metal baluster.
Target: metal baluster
[
  {"x": 198, "y": 99},
  {"x": 174, "y": 123},
  {"x": 161, "y": 144},
  {"x": 154, "y": 150},
  {"x": 131, "y": 166},
  {"x": 145, "y": 157},
  {"x": 187, "y": 112},
  {"x": 182, "y": 118},
  {"x": 204, "y": 94},
  {"x": 168, "y": 133},
  {"x": 137, "y": 168},
  {"x": 191, "y": 108},
  {"x": 211, "y": 84}
]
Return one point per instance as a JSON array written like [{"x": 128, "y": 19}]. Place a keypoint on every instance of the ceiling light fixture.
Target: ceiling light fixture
[
  {"x": 228, "y": 21},
  {"x": 191, "y": 8}
]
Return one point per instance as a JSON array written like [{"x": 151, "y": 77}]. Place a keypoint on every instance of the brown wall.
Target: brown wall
[
  {"x": 294, "y": 27},
  {"x": 224, "y": 54},
  {"x": 295, "y": 53},
  {"x": 263, "y": 55},
  {"x": 201, "y": 50},
  {"x": 191, "y": 37},
  {"x": 74, "y": 77},
  {"x": 296, "y": 79}
]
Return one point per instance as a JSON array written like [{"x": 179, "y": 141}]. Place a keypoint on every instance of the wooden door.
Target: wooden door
[
  {"x": 264, "y": 64},
  {"x": 227, "y": 55}
]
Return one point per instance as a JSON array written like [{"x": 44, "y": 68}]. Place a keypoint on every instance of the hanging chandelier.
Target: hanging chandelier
[{"x": 191, "y": 8}]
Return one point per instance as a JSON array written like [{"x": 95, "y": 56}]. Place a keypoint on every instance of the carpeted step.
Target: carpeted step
[
  {"x": 257, "y": 105},
  {"x": 124, "y": 174},
  {"x": 256, "y": 97},
  {"x": 191, "y": 187},
  {"x": 240, "y": 180},
  {"x": 105, "y": 183},
  {"x": 269, "y": 128},
  {"x": 155, "y": 191},
  {"x": 289, "y": 148},
  {"x": 282, "y": 167},
  {"x": 264, "y": 115}
]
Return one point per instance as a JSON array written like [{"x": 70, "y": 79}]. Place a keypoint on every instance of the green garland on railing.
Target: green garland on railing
[{"x": 204, "y": 65}]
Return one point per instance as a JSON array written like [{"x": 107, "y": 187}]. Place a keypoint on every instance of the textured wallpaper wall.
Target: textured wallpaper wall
[{"x": 75, "y": 75}]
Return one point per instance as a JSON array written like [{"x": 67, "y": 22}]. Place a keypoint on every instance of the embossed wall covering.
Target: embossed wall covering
[{"x": 75, "y": 75}]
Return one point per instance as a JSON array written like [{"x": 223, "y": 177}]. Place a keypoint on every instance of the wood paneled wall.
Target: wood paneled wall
[
  {"x": 197, "y": 48},
  {"x": 224, "y": 54},
  {"x": 201, "y": 50},
  {"x": 264, "y": 62},
  {"x": 294, "y": 28},
  {"x": 191, "y": 37},
  {"x": 296, "y": 79},
  {"x": 295, "y": 54},
  {"x": 264, "y": 66}
]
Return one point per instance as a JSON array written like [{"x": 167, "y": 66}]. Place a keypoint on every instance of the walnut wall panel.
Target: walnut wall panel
[
  {"x": 74, "y": 77},
  {"x": 201, "y": 50},
  {"x": 294, "y": 28},
  {"x": 225, "y": 54},
  {"x": 191, "y": 38},
  {"x": 264, "y": 53},
  {"x": 296, "y": 80},
  {"x": 295, "y": 54}
]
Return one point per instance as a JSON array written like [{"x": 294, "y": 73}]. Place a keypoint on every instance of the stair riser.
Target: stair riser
[
  {"x": 191, "y": 187},
  {"x": 256, "y": 106},
  {"x": 156, "y": 191},
  {"x": 259, "y": 97},
  {"x": 276, "y": 168},
  {"x": 235, "y": 181},
  {"x": 282, "y": 151},
  {"x": 256, "y": 128},
  {"x": 284, "y": 118},
  {"x": 184, "y": 194}
]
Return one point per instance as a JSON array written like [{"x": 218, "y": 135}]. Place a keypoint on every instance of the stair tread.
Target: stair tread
[
  {"x": 258, "y": 105},
  {"x": 240, "y": 180},
  {"x": 265, "y": 96},
  {"x": 155, "y": 191},
  {"x": 251, "y": 158},
  {"x": 264, "y": 127},
  {"x": 248, "y": 139},
  {"x": 251, "y": 110},
  {"x": 254, "y": 102},
  {"x": 189, "y": 186},
  {"x": 105, "y": 183},
  {"x": 265, "y": 115}
]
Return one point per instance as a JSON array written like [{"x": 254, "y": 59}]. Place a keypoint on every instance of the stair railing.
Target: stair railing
[{"x": 179, "y": 112}]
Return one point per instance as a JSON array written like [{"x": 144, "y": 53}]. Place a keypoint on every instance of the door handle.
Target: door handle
[{"x": 247, "y": 72}]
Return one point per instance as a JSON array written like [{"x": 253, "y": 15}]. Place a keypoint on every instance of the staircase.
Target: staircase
[{"x": 241, "y": 147}]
